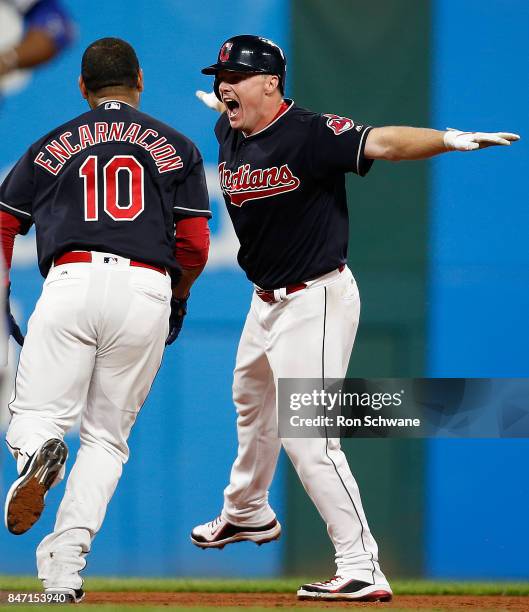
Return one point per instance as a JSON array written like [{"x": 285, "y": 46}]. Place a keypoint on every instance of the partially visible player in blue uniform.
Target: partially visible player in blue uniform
[
  {"x": 120, "y": 206},
  {"x": 48, "y": 29}
]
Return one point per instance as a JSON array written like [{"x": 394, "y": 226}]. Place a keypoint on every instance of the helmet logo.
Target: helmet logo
[
  {"x": 224, "y": 54},
  {"x": 338, "y": 124}
]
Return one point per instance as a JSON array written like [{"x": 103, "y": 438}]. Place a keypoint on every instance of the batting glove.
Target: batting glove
[
  {"x": 176, "y": 318},
  {"x": 12, "y": 325},
  {"x": 210, "y": 100},
  {"x": 456, "y": 140}
]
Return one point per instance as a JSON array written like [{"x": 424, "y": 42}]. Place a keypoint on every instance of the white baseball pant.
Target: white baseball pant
[
  {"x": 94, "y": 345},
  {"x": 308, "y": 334}
]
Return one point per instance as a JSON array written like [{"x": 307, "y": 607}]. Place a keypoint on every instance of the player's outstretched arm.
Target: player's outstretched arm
[{"x": 398, "y": 143}]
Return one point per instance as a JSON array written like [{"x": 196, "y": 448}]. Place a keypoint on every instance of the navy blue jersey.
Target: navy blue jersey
[
  {"x": 284, "y": 188},
  {"x": 113, "y": 180}
]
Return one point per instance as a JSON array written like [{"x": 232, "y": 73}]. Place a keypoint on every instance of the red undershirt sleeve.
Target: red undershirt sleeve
[
  {"x": 10, "y": 226},
  {"x": 192, "y": 242}
]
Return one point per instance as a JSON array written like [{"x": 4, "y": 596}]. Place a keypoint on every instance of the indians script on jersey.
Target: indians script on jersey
[
  {"x": 54, "y": 155},
  {"x": 245, "y": 184}
]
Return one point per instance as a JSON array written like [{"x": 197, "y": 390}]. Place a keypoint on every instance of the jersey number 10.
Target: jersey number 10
[{"x": 119, "y": 163}]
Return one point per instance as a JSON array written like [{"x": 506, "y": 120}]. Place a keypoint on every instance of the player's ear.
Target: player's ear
[
  {"x": 82, "y": 87},
  {"x": 140, "y": 84},
  {"x": 271, "y": 84}
]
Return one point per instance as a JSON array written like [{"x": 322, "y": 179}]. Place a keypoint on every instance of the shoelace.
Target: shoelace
[
  {"x": 213, "y": 524},
  {"x": 330, "y": 582}
]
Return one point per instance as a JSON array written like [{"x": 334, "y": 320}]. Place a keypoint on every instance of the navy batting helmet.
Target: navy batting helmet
[{"x": 247, "y": 53}]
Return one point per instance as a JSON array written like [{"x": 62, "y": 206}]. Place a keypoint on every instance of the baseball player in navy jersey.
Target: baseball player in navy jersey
[
  {"x": 282, "y": 172},
  {"x": 120, "y": 206}
]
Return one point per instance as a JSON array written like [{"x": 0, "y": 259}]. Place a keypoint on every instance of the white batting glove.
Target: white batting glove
[
  {"x": 210, "y": 100},
  {"x": 456, "y": 140}
]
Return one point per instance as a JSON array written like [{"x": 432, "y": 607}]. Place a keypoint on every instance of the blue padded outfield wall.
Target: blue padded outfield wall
[
  {"x": 184, "y": 441},
  {"x": 478, "y": 491}
]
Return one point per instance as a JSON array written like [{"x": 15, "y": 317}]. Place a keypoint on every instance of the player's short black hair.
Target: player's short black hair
[{"x": 109, "y": 62}]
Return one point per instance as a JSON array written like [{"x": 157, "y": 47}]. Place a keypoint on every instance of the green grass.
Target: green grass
[
  {"x": 282, "y": 585},
  {"x": 279, "y": 585}
]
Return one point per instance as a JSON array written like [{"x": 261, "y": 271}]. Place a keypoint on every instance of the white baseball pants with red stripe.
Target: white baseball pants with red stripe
[{"x": 308, "y": 334}]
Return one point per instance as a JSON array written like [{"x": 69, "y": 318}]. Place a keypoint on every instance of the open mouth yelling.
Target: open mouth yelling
[{"x": 232, "y": 107}]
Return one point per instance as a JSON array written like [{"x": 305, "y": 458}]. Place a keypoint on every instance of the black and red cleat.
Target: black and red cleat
[{"x": 345, "y": 589}]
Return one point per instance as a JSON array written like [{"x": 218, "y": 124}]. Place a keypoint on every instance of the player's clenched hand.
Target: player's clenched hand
[
  {"x": 210, "y": 100},
  {"x": 12, "y": 325},
  {"x": 456, "y": 140},
  {"x": 176, "y": 318}
]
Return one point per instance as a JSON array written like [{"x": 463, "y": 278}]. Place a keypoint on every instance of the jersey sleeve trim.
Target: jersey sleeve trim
[
  {"x": 200, "y": 211},
  {"x": 363, "y": 164},
  {"x": 20, "y": 212}
]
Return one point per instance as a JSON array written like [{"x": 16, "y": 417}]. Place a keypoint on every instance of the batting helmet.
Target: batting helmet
[{"x": 247, "y": 53}]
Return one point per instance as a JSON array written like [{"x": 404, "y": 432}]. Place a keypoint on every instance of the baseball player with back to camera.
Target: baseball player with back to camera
[
  {"x": 282, "y": 172},
  {"x": 120, "y": 206}
]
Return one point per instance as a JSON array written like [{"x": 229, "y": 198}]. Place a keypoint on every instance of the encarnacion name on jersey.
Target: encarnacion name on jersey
[{"x": 59, "y": 150}]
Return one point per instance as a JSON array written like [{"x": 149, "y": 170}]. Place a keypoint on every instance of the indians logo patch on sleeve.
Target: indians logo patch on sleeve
[{"x": 338, "y": 124}]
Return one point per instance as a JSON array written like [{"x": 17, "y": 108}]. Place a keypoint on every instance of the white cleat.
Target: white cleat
[
  {"x": 218, "y": 532},
  {"x": 348, "y": 589}
]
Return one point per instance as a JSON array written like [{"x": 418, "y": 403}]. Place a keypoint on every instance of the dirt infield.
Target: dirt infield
[{"x": 281, "y": 600}]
